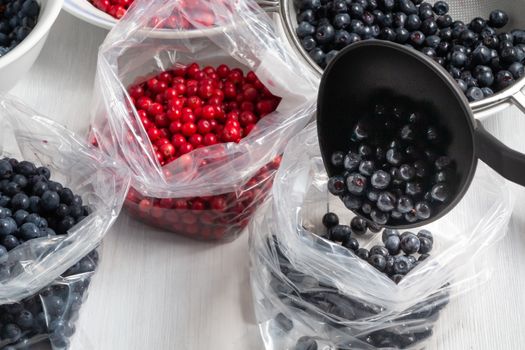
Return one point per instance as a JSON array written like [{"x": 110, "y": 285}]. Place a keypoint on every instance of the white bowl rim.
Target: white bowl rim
[
  {"x": 44, "y": 24},
  {"x": 101, "y": 19}
]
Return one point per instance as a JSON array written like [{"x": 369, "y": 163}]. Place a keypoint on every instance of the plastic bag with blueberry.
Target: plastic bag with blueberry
[
  {"x": 200, "y": 113},
  {"x": 322, "y": 277},
  {"x": 58, "y": 198}
]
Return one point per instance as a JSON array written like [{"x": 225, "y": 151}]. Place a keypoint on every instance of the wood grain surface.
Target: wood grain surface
[{"x": 155, "y": 290}]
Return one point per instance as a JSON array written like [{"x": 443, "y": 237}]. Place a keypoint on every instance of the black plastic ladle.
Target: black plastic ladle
[{"x": 363, "y": 69}]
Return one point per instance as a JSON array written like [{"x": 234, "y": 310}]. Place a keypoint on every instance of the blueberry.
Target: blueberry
[
  {"x": 340, "y": 233},
  {"x": 356, "y": 183},
  {"x": 7, "y": 227},
  {"x": 504, "y": 79},
  {"x": 366, "y": 167},
  {"x": 39, "y": 188},
  {"x": 356, "y": 10},
  {"x": 387, "y": 233},
  {"x": 6, "y": 170},
  {"x": 429, "y": 27},
  {"x": 352, "y": 202},
  {"x": 379, "y": 250},
  {"x": 412, "y": 259},
  {"x": 423, "y": 210},
  {"x": 339, "y": 6},
  {"x": 11, "y": 332},
  {"x": 336, "y": 185},
  {"x": 47, "y": 232},
  {"x": 20, "y": 201},
  {"x": 306, "y": 16},
  {"x": 308, "y": 43},
  {"x": 425, "y": 234},
  {"x": 392, "y": 243},
  {"x": 372, "y": 195},
  {"x": 25, "y": 319},
  {"x": 397, "y": 278},
  {"x": 10, "y": 242},
  {"x": 25, "y": 168},
  {"x": 380, "y": 179},
  {"x": 305, "y": 343},
  {"x": 364, "y": 150},
  {"x": 318, "y": 56},
  {"x": 440, "y": 8},
  {"x": 498, "y": 19},
  {"x": 439, "y": 192},
  {"x": 64, "y": 225},
  {"x": 485, "y": 78},
  {"x": 351, "y": 244},
  {"x": 386, "y": 202},
  {"x": 458, "y": 59},
  {"x": 30, "y": 8},
  {"x": 358, "y": 225},
  {"x": 475, "y": 94},
  {"x": 402, "y": 35},
  {"x": 394, "y": 156},
  {"x": 400, "y": 19},
  {"x": 352, "y": 161},
  {"x": 283, "y": 322},
  {"x": 363, "y": 253},
  {"x": 324, "y": 34},
  {"x": 54, "y": 305},
  {"x": 407, "y": 7},
  {"x": 402, "y": 265},
  {"x": 417, "y": 38},
  {"x": 305, "y": 29},
  {"x": 29, "y": 231},
  {"x": 342, "y": 20},
  {"x": 410, "y": 244},
  {"x": 517, "y": 70},
  {"x": 379, "y": 217},
  {"x": 377, "y": 261},
  {"x": 36, "y": 219},
  {"x": 413, "y": 22},
  {"x": 330, "y": 220},
  {"x": 425, "y": 245},
  {"x": 34, "y": 204}
]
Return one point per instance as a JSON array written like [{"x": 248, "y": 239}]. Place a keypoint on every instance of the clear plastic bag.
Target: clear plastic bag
[
  {"x": 242, "y": 37},
  {"x": 36, "y": 264},
  {"x": 305, "y": 285}
]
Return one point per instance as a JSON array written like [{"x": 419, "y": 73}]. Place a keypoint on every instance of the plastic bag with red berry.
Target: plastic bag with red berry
[
  {"x": 58, "y": 198},
  {"x": 202, "y": 116},
  {"x": 338, "y": 282}
]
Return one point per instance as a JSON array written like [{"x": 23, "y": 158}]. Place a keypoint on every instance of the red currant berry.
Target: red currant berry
[
  {"x": 189, "y": 129},
  {"x": 178, "y": 140},
  {"x": 196, "y": 140},
  {"x": 185, "y": 148},
  {"x": 167, "y": 150},
  {"x": 223, "y": 70},
  {"x": 210, "y": 139},
  {"x": 175, "y": 126}
]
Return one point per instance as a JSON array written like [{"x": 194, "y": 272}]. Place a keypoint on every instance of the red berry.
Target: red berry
[
  {"x": 248, "y": 129},
  {"x": 175, "y": 126},
  {"x": 192, "y": 70},
  {"x": 170, "y": 93},
  {"x": 180, "y": 89},
  {"x": 203, "y": 126},
  {"x": 219, "y": 203},
  {"x": 247, "y": 106},
  {"x": 235, "y": 76},
  {"x": 189, "y": 129},
  {"x": 247, "y": 118},
  {"x": 196, "y": 140},
  {"x": 185, "y": 148},
  {"x": 208, "y": 112},
  {"x": 194, "y": 102},
  {"x": 178, "y": 140},
  {"x": 155, "y": 108},
  {"x": 205, "y": 91},
  {"x": 210, "y": 139},
  {"x": 188, "y": 118},
  {"x": 223, "y": 70},
  {"x": 251, "y": 77},
  {"x": 233, "y": 123},
  {"x": 153, "y": 134},
  {"x": 144, "y": 103},
  {"x": 179, "y": 72},
  {"x": 167, "y": 150},
  {"x": 174, "y": 114},
  {"x": 230, "y": 133},
  {"x": 180, "y": 204},
  {"x": 162, "y": 120},
  {"x": 164, "y": 76},
  {"x": 250, "y": 94},
  {"x": 198, "y": 205},
  {"x": 176, "y": 103}
]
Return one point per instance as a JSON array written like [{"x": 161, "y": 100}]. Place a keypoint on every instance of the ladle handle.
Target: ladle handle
[{"x": 507, "y": 162}]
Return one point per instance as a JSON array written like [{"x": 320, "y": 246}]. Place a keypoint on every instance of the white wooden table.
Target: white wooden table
[{"x": 155, "y": 290}]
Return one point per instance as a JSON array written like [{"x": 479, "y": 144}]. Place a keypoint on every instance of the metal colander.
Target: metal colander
[{"x": 464, "y": 10}]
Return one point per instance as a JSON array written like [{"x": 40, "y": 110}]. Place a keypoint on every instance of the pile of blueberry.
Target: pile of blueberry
[
  {"x": 51, "y": 313},
  {"x": 387, "y": 258},
  {"x": 328, "y": 305},
  {"x": 396, "y": 170},
  {"x": 17, "y": 20},
  {"x": 481, "y": 59},
  {"x": 33, "y": 206}
]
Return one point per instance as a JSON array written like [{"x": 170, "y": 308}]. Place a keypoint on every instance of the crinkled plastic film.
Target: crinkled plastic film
[
  {"x": 337, "y": 298},
  {"x": 242, "y": 37},
  {"x": 102, "y": 183}
]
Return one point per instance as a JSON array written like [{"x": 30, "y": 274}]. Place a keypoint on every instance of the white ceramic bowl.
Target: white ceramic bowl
[
  {"x": 84, "y": 10},
  {"x": 18, "y": 61}
]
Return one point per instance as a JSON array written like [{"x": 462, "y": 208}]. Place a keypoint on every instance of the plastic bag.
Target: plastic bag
[
  {"x": 39, "y": 263},
  {"x": 305, "y": 285},
  {"x": 239, "y": 174}
]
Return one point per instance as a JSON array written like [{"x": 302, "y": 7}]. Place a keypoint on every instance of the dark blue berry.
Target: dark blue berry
[
  {"x": 410, "y": 244},
  {"x": 340, "y": 233},
  {"x": 439, "y": 192},
  {"x": 330, "y": 220},
  {"x": 377, "y": 261},
  {"x": 441, "y": 8},
  {"x": 305, "y": 29},
  {"x": 336, "y": 185},
  {"x": 392, "y": 243},
  {"x": 498, "y": 19},
  {"x": 10, "y": 242},
  {"x": 425, "y": 245},
  {"x": 402, "y": 265},
  {"x": 351, "y": 244},
  {"x": 386, "y": 202},
  {"x": 356, "y": 183},
  {"x": 379, "y": 250},
  {"x": 379, "y": 217},
  {"x": 305, "y": 343},
  {"x": 318, "y": 56},
  {"x": 358, "y": 225},
  {"x": 29, "y": 231},
  {"x": 363, "y": 253},
  {"x": 423, "y": 210}
]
